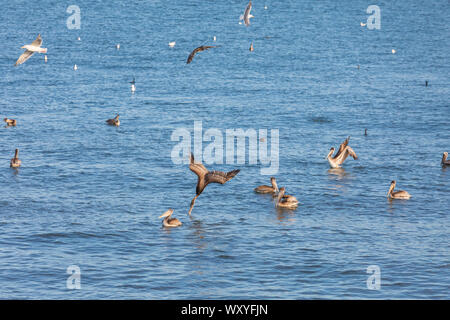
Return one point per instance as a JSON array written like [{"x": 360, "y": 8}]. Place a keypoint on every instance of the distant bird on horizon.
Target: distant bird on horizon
[
  {"x": 133, "y": 85},
  {"x": 169, "y": 222},
  {"x": 10, "y": 122},
  {"x": 247, "y": 15},
  {"x": 15, "y": 162},
  {"x": 197, "y": 50},
  {"x": 114, "y": 122},
  {"x": 206, "y": 177},
  {"x": 341, "y": 155},
  {"x": 35, "y": 46}
]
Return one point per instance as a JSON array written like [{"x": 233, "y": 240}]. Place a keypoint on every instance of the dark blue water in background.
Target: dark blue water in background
[{"x": 89, "y": 195}]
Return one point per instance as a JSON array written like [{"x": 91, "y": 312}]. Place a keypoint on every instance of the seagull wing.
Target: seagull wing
[
  {"x": 37, "y": 42},
  {"x": 24, "y": 57}
]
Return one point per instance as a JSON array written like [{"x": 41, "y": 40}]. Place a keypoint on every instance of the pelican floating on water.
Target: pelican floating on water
[
  {"x": 286, "y": 201},
  {"x": 197, "y": 50},
  {"x": 114, "y": 122},
  {"x": 247, "y": 15},
  {"x": 341, "y": 155},
  {"x": 168, "y": 221},
  {"x": 268, "y": 189},
  {"x": 10, "y": 122},
  {"x": 444, "y": 161},
  {"x": 251, "y": 47},
  {"x": 15, "y": 162},
  {"x": 35, "y": 46},
  {"x": 401, "y": 194},
  {"x": 205, "y": 177}
]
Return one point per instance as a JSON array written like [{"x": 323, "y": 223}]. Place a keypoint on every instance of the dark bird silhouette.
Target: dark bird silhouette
[
  {"x": 206, "y": 177},
  {"x": 114, "y": 122},
  {"x": 197, "y": 50}
]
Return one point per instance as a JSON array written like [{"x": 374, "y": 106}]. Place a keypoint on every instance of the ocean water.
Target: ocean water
[{"x": 89, "y": 195}]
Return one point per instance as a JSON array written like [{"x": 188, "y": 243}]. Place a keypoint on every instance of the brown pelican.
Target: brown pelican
[
  {"x": 15, "y": 162},
  {"x": 205, "y": 177},
  {"x": 287, "y": 201},
  {"x": 267, "y": 189},
  {"x": 35, "y": 46},
  {"x": 397, "y": 194},
  {"x": 444, "y": 161},
  {"x": 246, "y": 16},
  {"x": 341, "y": 155},
  {"x": 251, "y": 47},
  {"x": 114, "y": 122},
  {"x": 10, "y": 122},
  {"x": 168, "y": 221},
  {"x": 196, "y": 50}
]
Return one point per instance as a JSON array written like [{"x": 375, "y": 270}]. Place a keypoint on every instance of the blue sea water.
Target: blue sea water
[{"x": 89, "y": 195}]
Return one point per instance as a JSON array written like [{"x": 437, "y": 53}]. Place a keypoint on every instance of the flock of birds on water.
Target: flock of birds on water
[{"x": 204, "y": 175}]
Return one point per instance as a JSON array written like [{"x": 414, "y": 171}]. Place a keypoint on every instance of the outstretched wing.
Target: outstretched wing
[
  {"x": 247, "y": 14},
  {"x": 196, "y": 50},
  {"x": 38, "y": 41},
  {"x": 220, "y": 177},
  {"x": 348, "y": 151},
  {"x": 198, "y": 168},
  {"x": 24, "y": 57},
  {"x": 342, "y": 148}
]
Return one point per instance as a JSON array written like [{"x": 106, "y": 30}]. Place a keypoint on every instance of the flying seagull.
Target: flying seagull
[
  {"x": 35, "y": 46},
  {"x": 205, "y": 177},
  {"x": 196, "y": 50},
  {"x": 247, "y": 15}
]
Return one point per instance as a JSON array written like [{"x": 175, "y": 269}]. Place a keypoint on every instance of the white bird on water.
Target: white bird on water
[
  {"x": 363, "y": 24},
  {"x": 45, "y": 58},
  {"x": 75, "y": 67},
  {"x": 172, "y": 44},
  {"x": 79, "y": 39},
  {"x": 118, "y": 46},
  {"x": 133, "y": 85},
  {"x": 35, "y": 46},
  {"x": 393, "y": 51},
  {"x": 214, "y": 39},
  {"x": 247, "y": 15}
]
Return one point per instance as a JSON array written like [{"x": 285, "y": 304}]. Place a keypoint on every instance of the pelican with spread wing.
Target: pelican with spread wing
[
  {"x": 197, "y": 50},
  {"x": 341, "y": 155},
  {"x": 206, "y": 177},
  {"x": 35, "y": 46}
]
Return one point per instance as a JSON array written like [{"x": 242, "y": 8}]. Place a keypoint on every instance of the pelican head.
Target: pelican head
[
  {"x": 444, "y": 156},
  {"x": 280, "y": 195},
  {"x": 168, "y": 213},
  {"x": 330, "y": 153},
  {"x": 274, "y": 184},
  {"x": 391, "y": 188}
]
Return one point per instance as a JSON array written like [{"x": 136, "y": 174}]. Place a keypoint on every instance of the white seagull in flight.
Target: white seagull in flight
[
  {"x": 246, "y": 16},
  {"x": 35, "y": 46}
]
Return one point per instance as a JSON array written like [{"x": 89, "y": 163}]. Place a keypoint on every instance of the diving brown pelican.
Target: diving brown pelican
[
  {"x": 35, "y": 46},
  {"x": 114, "y": 122},
  {"x": 10, "y": 122},
  {"x": 168, "y": 221},
  {"x": 401, "y": 194},
  {"x": 205, "y": 177},
  {"x": 286, "y": 201},
  {"x": 268, "y": 189},
  {"x": 444, "y": 161},
  {"x": 15, "y": 162},
  {"x": 196, "y": 50},
  {"x": 341, "y": 155},
  {"x": 247, "y": 15}
]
